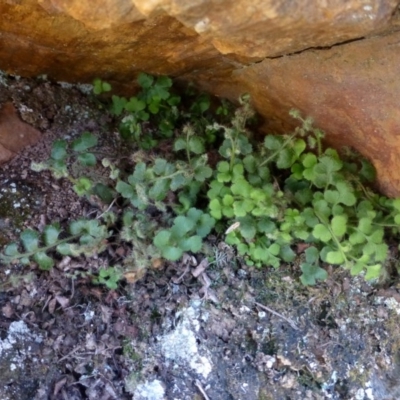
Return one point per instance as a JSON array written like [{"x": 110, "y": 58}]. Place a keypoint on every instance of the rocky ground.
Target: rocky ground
[{"x": 188, "y": 330}]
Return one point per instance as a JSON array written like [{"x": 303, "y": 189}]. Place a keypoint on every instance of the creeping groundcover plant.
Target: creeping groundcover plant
[{"x": 193, "y": 170}]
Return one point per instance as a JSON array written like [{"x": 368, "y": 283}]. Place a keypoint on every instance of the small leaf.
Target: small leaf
[
  {"x": 346, "y": 191},
  {"x": 357, "y": 238},
  {"x": 178, "y": 181},
  {"x": 322, "y": 233},
  {"x": 365, "y": 225},
  {"x": 172, "y": 253},
  {"x": 193, "y": 244},
  {"x": 273, "y": 142},
  {"x": 58, "y": 151},
  {"x": 180, "y": 144},
  {"x": 205, "y": 225},
  {"x": 274, "y": 249},
  {"x": 160, "y": 166},
  {"x": 309, "y": 160},
  {"x": 335, "y": 257},
  {"x": 82, "y": 186},
  {"x": 30, "y": 240},
  {"x": 125, "y": 190},
  {"x": 381, "y": 252},
  {"x": 159, "y": 190},
  {"x": 357, "y": 268},
  {"x": 215, "y": 209},
  {"x": 84, "y": 142},
  {"x": 87, "y": 159},
  {"x": 144, "y": 80},
  {"x": 202, "y": 173},
  {"x": 373, "y": 272},
  {"x": 312, "y": 273},
  {"x": 367, "y": 171},
  {"x": 332, "y": 196},
  {"x": 134, "y": 105},
  {"x": 105, "y": 193},
  {"x": 11, "y": 250},
  {"x": 339, "y": 225},
  {"x": 50, "y": 234},
  {"x": 77, "y": 227},
  {"x": 118, "y": 105},
  {"x": 196, "y": 145},
  {"x": 45, "y": 262},
  {"x": 287, "y": 254},
  {"x": 312, "y": 254},
  {"x": 182, "y": 225}
]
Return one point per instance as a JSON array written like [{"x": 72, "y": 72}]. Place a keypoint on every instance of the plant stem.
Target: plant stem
[
  {"x": 42, "y": 249},
  {"x": 273, "y": 155}
]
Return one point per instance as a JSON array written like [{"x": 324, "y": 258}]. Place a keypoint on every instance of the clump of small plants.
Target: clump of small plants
[{"x": 262, "y": 198}]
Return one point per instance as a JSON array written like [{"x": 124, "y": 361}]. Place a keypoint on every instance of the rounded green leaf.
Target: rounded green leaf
[
  {"x": 44, "y": 261},
  {"x": 180, "y": 144},
  {"x": 87, "y": 159},
  {"x": 50, "y": 234},
  {"x": 11, "y": 250},
  {"x": 335, "y": 257},
  {"x": 215, "y": 209},
  {"x": 196, "y": 145},
  {"x": 172, "y": 253},
  {"x": 84, "y": 142},
  {"x": 312, "y": 254},
  {"x": 373, "y": 272},
  {"x": 274, "y": 249},
  {"x": 30, "y": 240},
  {"x": 339, "y": 225},
  {"x": 161, "y": 240},
  {"x": 193, "y": 244},
  {"x": 58, "y": 151},
  {"x": 312, "y": 273},
  {"x": 273, "y": 142},
  {"x": 322, "y": 233},
  {"x": 357, "y": 268}
]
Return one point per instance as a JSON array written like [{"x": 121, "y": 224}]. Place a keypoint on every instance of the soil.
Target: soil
[{"x": 186, "y": 330}]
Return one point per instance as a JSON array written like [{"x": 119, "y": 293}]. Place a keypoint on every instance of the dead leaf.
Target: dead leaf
[
  {"x": 63, "y": 301},
  {"x": 106, "y": 313},
  {"x": 58, "y": 386},
  {"x": 7, "y": 310},
  {"x": 52, "y": 305},
  {"x": 200, "y": 268},
  {"x": 157, "y": 263}
]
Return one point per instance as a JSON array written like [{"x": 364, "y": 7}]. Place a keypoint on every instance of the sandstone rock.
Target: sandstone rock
[
  {"x": 352, "y": 91},
  {"x": 14, "y": 134},
  {"x": 278, "y": 51}
]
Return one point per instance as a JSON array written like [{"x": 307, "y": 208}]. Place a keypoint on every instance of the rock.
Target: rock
[
  {"x": 18, "y": 349},
  {"x": 14, "y": 134},
  {"x": 351, "y": 91},
  {"x": 278, "y": 51}
]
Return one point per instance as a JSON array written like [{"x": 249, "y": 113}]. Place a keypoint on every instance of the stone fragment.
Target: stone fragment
[{"x": 14, "y": 133}]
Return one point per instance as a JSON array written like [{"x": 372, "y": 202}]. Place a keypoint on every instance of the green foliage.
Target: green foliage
[
  {"x": 109, "y": 277},
  {"x": 100, "y": 86},
  {"x": 86, "y": 237},
  {"x": 262, "y": 198},
  {"x": 186, "y": 234},
  {"x": 60, "y": 158},
  {"x": 154, "y": 103}
]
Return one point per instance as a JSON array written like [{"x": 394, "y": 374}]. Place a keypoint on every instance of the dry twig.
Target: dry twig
[
  {"x": 289, "y": 321},
  {"x": 198, "y": 385}
]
